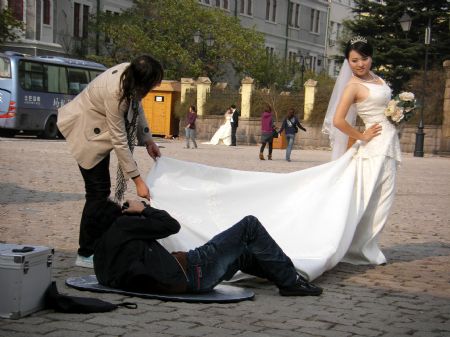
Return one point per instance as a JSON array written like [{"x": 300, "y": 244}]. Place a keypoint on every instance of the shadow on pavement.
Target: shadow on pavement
[{"x": 12, "y": 194}]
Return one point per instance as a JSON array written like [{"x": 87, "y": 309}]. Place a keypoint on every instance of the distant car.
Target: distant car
[{"x": 32, "y": 88}]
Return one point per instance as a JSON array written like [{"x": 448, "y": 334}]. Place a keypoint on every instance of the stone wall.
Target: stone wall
[
  {"x": 445, "y": 139},
  {"x": 248, "y": 133}
]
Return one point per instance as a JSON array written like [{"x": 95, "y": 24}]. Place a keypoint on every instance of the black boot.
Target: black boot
[{"x": 301, "y": 288}]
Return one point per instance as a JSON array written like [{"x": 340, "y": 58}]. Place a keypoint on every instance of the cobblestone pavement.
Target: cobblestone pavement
[{"x": 41, "y": 200}]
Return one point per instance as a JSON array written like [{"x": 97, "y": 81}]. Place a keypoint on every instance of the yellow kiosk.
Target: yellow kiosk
[{"x": 159, "y": 108}]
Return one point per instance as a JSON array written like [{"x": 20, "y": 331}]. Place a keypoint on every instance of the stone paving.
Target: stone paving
[{"x": 42, "y": 197}]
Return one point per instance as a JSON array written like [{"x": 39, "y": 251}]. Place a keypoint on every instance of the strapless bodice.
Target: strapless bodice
[{"x": 371, "y": 111}]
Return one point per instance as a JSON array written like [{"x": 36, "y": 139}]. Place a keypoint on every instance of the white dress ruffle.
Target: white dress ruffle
[{"x": 223, "y": 134}]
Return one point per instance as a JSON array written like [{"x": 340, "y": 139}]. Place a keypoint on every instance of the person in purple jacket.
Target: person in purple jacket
[
  {"x": 190, "y": 127},
  {"x": 267, "y": 127}
]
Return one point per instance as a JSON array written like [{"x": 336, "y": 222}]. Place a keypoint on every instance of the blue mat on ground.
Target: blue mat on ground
[{"x": 220, "y": 294}]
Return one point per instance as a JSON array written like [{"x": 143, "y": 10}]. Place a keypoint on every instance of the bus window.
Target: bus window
[
  {"x": 78, "y": 79},
  {"x": 31, "y": 75},
  {"x": 56, "y": 79},
  {"x": 94, "y": 74},
  {"x": 5, "y": 67}
]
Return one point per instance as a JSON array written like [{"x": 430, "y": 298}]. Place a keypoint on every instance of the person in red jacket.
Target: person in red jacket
[{"x": 267, "y": 127}]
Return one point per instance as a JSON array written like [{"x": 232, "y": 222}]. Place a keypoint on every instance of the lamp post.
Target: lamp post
[
  {"x": 300, "y": 59},
  {"x": 206, "y": 41},
  {"x": 405, "y": 22}
]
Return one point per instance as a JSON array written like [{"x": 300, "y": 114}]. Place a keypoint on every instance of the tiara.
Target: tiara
[{"x": 358, "y": 39}]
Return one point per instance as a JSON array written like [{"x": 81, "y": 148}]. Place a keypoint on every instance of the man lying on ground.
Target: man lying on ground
[{"x": 128, "y": 255}]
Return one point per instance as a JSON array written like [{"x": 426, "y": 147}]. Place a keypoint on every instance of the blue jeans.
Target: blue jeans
[
  {"x": 290, "y": 140},
  {"x": 247, "y": 247},
  {"x": 190, "y": 134}
]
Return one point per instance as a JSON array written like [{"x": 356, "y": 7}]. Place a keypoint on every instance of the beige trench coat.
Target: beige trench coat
[{"x": 94, "y": 124}]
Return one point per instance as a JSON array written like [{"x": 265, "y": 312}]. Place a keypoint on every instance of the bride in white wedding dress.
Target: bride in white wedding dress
[
  {"x": 326, "y": 214},
  {"x": 223, "y": 134}
]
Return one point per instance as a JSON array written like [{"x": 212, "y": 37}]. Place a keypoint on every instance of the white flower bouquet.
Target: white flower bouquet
[{"x": 401, "y": 108}]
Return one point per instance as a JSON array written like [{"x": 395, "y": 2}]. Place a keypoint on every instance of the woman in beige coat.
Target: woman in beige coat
[{"x": 106, "y": 116}]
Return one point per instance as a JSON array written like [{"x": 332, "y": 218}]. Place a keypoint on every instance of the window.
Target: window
[
  {"x": 271, "y": 10},
  {"x": 31, "y": 76},
  {"x": 338, "y": 30},
  {"x": 242, "y": 7},
  {"x": 292, "y": 59},
  {"x": 269, "y": 52},
  {"x": 313, "y": 63},
  {"x": 56, "y": 78},
  {"x": 78, "y": 80},
  {"x": 107, "y": 37},
  {"x": 46, "y": 12},
  {"x": 315, "y": 16},
  {"x": 5, "y": 67},
  {"x": 76, "y": 19},
  {"x": 274, "y": 10},
  {"x": 291, "y": 11},
  {"x": 249, "y": 7},
  {"x": 294, "y": 10},
  {"x": 217, "y": 3},
  {"x": 85, "y": 21},
  {"x": 297, "y": 15},
  {"x": 94, "y": 73},
  {"x": 16, "y": 7}
]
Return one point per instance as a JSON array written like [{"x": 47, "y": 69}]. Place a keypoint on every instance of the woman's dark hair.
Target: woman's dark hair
[
  {"x": 143, "y": 73},
  {"x": 193, "y": 108},
  {"x": 361, "y": 47}
]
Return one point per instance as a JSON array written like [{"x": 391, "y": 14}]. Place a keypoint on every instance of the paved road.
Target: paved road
[{"x": 42, "y": 196}]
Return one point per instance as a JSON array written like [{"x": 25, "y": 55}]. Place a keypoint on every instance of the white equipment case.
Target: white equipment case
[{"x": 25, "y": 274}]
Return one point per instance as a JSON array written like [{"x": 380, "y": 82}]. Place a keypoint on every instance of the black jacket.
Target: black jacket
[
  {"x": 235, "y": 117},
  {"x": 127, "y": 256}
]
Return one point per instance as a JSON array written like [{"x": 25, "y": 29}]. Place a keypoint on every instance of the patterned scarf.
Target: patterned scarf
[{"x": 131, "y": 129}]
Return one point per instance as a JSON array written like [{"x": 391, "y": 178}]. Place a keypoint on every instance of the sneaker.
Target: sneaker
[
  {"x": 301, "y": 288},
  {"x": 85, "y": 262}
]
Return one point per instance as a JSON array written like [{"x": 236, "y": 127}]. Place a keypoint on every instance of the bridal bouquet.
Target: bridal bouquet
[{"x": 401, "y": 108}]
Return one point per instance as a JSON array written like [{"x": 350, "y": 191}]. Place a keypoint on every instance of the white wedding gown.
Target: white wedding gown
[
  {"x": 319, "y": 216},
  {"x": 223, "y": 134}
]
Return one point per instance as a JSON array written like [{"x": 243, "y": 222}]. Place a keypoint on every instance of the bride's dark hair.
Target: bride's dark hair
[
  {"x": 143, "y": 73},
  {"x": 361, "y": 47}
]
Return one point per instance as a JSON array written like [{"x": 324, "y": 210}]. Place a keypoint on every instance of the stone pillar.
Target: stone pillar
[
  {"x": 246, "y": 96},
  {"x": 310, "y": 94},
  {"x": 203, "y": 88},
  {"x": 445, "y": 138},
  {"x": 186, "y": 84}
]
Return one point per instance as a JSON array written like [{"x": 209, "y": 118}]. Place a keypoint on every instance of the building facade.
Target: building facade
[
  {"x": 340, "y": 10},
  {"x": 57, "y": 27},
  {"x": 294, "y": 29}
]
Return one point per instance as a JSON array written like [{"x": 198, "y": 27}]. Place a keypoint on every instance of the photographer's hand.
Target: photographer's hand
[{"x": 134, "y": 207}]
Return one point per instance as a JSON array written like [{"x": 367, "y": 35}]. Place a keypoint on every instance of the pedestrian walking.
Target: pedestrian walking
[
  {"x": 190, "y": 127},
  {"x": 290, "y": 126}
]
